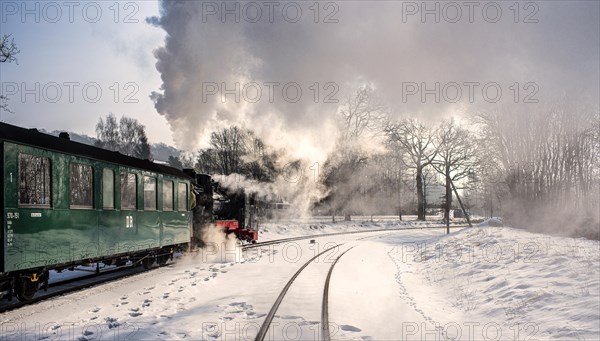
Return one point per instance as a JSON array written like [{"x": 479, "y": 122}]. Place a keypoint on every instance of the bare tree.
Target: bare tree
[
  {"x": 548, "y": 161},
  {"x": 415, "y": 139},
  {"x": 8, "y": 52},
  {"x": 362, "y": 113},
  {"x": 132, "y": 138},
  {"x": 230, "y": 146},
  {"x": 455, "y": 159},
  {"x": 127, "y": 137},
  {"x": 240, "y": 151},
  {"x": 107, "y": 133},
  {"x": 361, "y": 117},
  {"x": 8, "y": 49}
]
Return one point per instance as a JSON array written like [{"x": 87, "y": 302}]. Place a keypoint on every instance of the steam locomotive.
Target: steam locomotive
[
  {"x": 232, "y": 210},
  {"x": 66, "y": 204}
]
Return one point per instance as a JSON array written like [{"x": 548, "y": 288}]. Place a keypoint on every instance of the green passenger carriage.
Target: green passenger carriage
[{"x": 66, "y": 204}]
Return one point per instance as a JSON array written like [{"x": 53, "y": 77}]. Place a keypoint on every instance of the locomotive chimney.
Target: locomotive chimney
[{"x": 64, "y": 135}]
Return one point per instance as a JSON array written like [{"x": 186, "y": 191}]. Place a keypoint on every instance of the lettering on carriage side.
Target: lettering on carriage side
[
  {"x": 36, "y": 215},
  {"x": 9, "y": 232},
  {"x": 12, "y": 215}
]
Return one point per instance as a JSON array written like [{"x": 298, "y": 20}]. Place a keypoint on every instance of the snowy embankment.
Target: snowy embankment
[
  {"x": 482, "y": 283},
  {"x": 497, "y": 283}
]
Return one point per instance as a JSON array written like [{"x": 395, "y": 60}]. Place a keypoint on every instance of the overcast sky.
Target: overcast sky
[{"x": 532, "y": 52}]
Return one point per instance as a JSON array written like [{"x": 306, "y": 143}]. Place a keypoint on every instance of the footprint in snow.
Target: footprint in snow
[
  {"x": 223, "y": 271},
  {"x": 95, "y": 310},
  {"x": 134, "y": 313},
  {"x": 166, "y": 295},
  {"x": 308, "y": 323},
  {"x": 112, "y": 322},
  {"x": 349, "y": 328}
]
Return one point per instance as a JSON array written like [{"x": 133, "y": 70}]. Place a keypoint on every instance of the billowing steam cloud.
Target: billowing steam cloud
[
  {"x": 301, "y": 190},
  {"x": 272, "y": 50}
]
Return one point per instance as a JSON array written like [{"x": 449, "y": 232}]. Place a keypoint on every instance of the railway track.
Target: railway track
[
  {"x": 324, "y": 312},
  {"x": 325, "y": 334},
  {"x": 94, "y": 279},
  {"x": 284, "y": 240},
  {"x": 324, "y": 330}
]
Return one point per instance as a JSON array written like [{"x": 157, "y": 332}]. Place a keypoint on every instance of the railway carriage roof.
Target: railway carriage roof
[{"x": 35, "y": 138}]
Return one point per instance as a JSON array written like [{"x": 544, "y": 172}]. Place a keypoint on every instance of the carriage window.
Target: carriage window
[
  {"x": 108, "y": 189},
  {"x": 182, "y": 197},
  {"x": 82, "y": 184},
  {"x": 34, "y": 180},
  {"x": 149, "y": 193},
  {"x": 128, "y": 191},
  {"x": 167, "y": 195}
]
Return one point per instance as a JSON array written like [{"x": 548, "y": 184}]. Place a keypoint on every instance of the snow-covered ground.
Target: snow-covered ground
[{"x": 484, "y": 283}]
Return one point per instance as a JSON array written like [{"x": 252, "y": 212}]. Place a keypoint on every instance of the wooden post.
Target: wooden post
[{"x": 461, "y": 205}]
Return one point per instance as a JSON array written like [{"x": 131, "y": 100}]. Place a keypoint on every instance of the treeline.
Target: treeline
[
  {"x": 544, "y": 166},
  {"x": 126, "y": 136},
  {"x": 536, "y": 169}
]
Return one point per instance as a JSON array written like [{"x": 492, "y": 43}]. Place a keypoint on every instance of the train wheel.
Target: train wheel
[
  {"x": 25, "y": 289},
  {"x": 147, "y": 262},
  {"x": 162, "y": 259}
]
